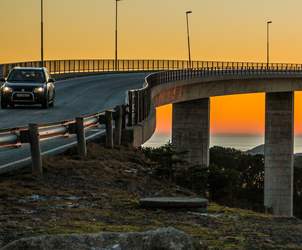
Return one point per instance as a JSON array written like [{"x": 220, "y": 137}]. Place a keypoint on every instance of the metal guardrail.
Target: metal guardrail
[
  {"x": 34, "y": 133},
  {"x": 139, "y": 102},
  {"x": 108, "y": 65}
]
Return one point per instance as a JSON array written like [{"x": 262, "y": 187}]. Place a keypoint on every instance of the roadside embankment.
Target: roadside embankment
[{"x": 101, "y": 193}]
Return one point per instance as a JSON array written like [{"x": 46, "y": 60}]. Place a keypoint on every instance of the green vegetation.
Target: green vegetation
[{"x": 233, "y": 178}]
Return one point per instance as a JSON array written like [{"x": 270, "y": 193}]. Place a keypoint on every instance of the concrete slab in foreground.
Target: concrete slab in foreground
[{"x": 175, "y": 203}]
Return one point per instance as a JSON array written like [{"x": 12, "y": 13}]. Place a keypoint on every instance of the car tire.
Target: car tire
[
  {"x": 52, "y": 104},
  {"x": 45, "y": 103},
  {"x": 4, "y": 104}
]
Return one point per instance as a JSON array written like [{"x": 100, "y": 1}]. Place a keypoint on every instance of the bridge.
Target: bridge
[{"x": 189, "y": 90}]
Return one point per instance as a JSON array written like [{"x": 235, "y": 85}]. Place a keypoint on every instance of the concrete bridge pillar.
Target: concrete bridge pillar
[
  {"x": 279, "y": 147},
  {"x": 191, "y": 130}
]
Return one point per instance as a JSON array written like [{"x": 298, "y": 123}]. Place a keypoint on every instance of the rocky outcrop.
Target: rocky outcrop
[{"x": 161, "y": 239}]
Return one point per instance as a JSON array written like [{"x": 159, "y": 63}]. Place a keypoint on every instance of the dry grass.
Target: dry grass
[{"x": 101, "y": 193}]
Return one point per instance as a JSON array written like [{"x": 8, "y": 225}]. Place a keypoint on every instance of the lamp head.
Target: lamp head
[
  {"x": 269, "y": 22},
  {"x": 189, "y": 12}
]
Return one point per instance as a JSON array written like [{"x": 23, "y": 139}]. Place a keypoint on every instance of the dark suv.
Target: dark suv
[{"x": 28, "y": 86}]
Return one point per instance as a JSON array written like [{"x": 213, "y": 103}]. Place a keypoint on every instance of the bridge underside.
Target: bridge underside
[{"x": 191, "y": 133}]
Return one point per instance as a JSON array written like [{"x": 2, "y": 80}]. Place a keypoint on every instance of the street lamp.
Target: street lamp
[
  {"x": 42, "y": 34},
  {"x": 116, "y": 23},
  {"x": 188, "y": 34},
  {"x": 268, "y": 48}
]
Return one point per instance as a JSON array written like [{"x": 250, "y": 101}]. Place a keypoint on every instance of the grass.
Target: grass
[{"x": 101, "y": 194}]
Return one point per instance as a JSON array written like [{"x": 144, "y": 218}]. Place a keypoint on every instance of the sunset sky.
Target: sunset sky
[{"x": 221, "y": 30}]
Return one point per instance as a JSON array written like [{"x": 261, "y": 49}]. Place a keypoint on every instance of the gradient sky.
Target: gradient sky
[
  {"x": 232, "y": 30},
  {"x": 236, "y": 114}
]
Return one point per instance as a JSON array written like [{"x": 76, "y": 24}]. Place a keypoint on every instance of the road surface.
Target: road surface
[{"x": 74, "y": 97}]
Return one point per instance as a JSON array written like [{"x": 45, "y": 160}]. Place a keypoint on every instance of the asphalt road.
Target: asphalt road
[{"x": 74, "y": 97}]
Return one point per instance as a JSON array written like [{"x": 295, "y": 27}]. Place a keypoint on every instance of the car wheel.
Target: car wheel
[
  {"x": 52, "y": 104},
  {"x": 45, "y": 103},
  {"x": 3, "y": 105}
]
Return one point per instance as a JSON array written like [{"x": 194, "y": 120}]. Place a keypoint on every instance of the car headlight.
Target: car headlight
[
  {"x": 39, "y": 90},
  {"x": 7, "y": 90}
]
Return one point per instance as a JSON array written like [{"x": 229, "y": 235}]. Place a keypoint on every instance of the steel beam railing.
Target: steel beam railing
[{"x": 108, "y": 65}]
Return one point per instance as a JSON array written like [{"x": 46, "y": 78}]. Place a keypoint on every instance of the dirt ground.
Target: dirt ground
[{"x": 101, "y": 193}]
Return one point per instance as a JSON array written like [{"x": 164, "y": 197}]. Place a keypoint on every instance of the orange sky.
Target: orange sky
[
  {"x": 236, "y": 114},
  {"x": 221, "y": 30}
]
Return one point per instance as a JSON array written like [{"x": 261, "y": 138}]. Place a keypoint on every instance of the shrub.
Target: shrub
[
  {"x": 236, "y": 178},
  {"x": 233, "y": 178},
  {"x": 167, "y": 159}
]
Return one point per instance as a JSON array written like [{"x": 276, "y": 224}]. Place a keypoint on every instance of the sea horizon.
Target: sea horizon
[{"x": 242, "y": 142}]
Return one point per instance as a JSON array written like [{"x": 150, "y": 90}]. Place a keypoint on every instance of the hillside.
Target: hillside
[
  {"x": 102, "y": 192},
  {"x": 256, "y": 150}
]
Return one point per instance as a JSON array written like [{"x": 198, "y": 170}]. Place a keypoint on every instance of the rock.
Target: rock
[
  {"x": 161, "y": 239},
  {"x": 175, "y": 203}
]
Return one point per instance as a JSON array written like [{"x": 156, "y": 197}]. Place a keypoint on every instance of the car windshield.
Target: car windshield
[{"x": 26, "y": 75}]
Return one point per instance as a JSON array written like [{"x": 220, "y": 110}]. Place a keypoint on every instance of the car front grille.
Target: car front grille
[{"x": 23, "y": 89}]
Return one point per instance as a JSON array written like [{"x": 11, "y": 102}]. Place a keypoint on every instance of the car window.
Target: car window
[{"x": 26, "y": 75}]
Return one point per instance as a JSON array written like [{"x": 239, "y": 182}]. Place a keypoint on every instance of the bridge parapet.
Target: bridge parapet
[
  {"x": 141, "y": 100},
  {"x": 108, "y": 65}
]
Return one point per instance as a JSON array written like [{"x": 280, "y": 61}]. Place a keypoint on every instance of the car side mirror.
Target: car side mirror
[
  {"x": 52, "y": 80},
  {"x": 2, "y": 79}
]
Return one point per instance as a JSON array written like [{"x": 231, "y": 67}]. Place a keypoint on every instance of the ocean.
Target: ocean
[{"x": 241, "y": 142}]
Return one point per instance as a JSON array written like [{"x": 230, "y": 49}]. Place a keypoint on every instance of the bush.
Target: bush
[
  {"x": 223, "y": 184},
  {"x": 167, "y": 159},
  {"x": 236, "y": 178},
  {"x": 194, "y": 178},
  {"x": 233, "y": 178},
  {"x": 171, "y": 166}
]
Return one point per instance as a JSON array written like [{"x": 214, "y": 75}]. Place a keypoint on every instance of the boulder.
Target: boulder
[{"x": 161, "y": 239}]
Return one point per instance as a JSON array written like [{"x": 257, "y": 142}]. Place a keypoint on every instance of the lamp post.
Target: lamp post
[
  {"x": 268, "y": 48},
  {"x": 42, "y": 34},
  {"x": 116, "y": 24},
  {"x": 188, "y": 34}
]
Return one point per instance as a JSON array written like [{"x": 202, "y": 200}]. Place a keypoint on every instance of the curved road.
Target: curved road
[{"x": 74, "y": 97}]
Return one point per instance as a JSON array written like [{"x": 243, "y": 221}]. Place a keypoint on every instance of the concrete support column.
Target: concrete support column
[
  {"x": 279, "y": 148},
  {"x": 191, "y": 130}
]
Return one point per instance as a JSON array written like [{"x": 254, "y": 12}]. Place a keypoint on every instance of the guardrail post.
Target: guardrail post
[
  {"x": 109, "y": 129},
  {"x": 118, "y": 126},
  {"x": 141, "y": 106},
  {"x": 124, "y": 116},
  {"x": 35, "y": 149},
  {"x": 82, "y": 148},
  {"x": 145, "y": 102},
  {"x": 130, "y": 114},
  {"x": 136, "y": 108}
]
